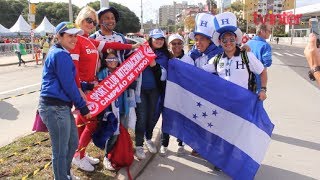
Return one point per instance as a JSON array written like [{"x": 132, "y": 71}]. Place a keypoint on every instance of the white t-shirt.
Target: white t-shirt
[
  {"x": 234, "y": 70},
  {"x": 201, "y": 61},
  {"x": 187, "y": 59}
]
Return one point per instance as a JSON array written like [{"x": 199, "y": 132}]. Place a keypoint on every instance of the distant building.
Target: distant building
[
  {"x": 265, "y": 7},
  {"x": 167, "y": 13},
  {"x": 303, "y": 29}
]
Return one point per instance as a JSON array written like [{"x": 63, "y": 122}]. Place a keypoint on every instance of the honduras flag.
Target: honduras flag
[{"x": 225, "y": 123}]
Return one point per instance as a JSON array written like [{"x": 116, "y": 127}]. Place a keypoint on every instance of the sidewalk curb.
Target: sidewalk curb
[
  {"x": 138, "y": 165},
  {"x": 15, "y": 63}
]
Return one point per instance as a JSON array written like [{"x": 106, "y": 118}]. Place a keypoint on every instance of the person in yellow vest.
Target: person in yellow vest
[{"x": 45, "y": 49}]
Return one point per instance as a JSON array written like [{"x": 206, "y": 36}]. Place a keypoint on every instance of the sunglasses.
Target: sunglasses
[
  {"x": 224, "y": 40},
  {"x": 90, "y": 20},
  {"x": 176, "y": 44},
  {"x": 114, "y": 59}
]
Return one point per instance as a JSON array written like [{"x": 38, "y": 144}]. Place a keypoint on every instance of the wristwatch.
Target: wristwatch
[{"x": 312, "y": 71}]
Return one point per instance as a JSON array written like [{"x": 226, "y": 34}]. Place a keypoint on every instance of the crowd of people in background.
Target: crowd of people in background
[{"x": 79, "y": 57}]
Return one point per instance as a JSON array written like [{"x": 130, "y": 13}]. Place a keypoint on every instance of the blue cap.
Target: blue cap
[
  {"x": 68, "y": 27},
  {"x": 156, "y": 34}
]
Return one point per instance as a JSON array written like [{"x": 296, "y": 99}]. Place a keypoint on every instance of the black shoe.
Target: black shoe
[{"x": 217, "y": 169}]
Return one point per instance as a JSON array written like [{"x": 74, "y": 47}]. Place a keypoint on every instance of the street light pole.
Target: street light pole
[
  {"x": 104, "y": 3},
  {"x": 141, "y": 30},
  {"x": 247, "y": 29},
  {"x": 292, "y": 27},
  {"x": 70, "y": 11},
  {"x": 31, "y": 26}
]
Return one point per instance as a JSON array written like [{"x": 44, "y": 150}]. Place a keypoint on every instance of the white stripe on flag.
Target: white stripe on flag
[{"x": 230, "y": 127}]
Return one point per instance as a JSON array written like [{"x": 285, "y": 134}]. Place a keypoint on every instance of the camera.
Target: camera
[{"x": 314, "y": 28}]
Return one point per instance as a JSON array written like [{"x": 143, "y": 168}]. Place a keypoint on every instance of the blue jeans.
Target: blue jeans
[
  {"x": 64, "y": 137},
  {"x": 145, "y": 115}
]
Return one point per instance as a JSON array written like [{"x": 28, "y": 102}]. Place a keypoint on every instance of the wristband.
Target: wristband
[{"x": 263, "y": 89}]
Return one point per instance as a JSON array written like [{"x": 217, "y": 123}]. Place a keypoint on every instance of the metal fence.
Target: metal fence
[{"x": 8, "y": 49}]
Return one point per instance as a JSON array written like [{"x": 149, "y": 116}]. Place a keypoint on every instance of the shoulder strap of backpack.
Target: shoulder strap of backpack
[
  {"x": 245, "y": 60},
  {"x": 251, "y": 81},
  {"x": 216, "y": 60}
]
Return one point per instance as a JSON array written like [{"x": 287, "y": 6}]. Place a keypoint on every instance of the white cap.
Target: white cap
[
  {"x": 226, "y": 22},
  {"x": 175, "y": 36},
  {"x": 204, "y": 25}
]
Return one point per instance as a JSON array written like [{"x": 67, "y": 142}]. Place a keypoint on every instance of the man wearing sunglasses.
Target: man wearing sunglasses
[
  {"x": 230, "y": 65},
  {"x": 262, "y": 50}
]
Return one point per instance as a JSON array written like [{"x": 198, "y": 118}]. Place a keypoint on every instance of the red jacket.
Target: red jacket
[{"x": 85, "y": 56}]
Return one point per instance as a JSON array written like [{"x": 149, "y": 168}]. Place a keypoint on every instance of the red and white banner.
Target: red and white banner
[{"x": 112, "y": 86}]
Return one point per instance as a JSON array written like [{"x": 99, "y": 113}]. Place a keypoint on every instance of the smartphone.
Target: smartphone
[{"x": 314, "y": 28}]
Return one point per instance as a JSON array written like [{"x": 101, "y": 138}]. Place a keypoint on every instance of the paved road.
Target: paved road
[
  {"x": 293, "y": 102},
  {"x": 293, "y": 106},
  {"x": 17, "y": 113}
]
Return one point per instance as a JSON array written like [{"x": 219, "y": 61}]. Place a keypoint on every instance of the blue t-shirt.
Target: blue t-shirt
[{"x": 262, "y": 50}]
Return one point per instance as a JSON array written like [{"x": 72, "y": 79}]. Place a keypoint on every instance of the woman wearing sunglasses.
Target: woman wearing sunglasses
[{"x": 85, "y": 56}]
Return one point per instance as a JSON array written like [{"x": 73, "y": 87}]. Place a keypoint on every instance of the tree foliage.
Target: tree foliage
[
  {"x": 55, "y": 12},
  {"x": 128, "y": 22},
  {"x": 237, "y": 9},
  {"x": 58, "y": 12},
  {"x": 10, "y": 11}
]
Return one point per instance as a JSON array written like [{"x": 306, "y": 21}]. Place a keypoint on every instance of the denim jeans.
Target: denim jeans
[
  {"x": 165, "y": 140},
  {"x": 64, "y": 137},
  {"x": 20, "y": 59},
  {"x": 145, "y": 115}
]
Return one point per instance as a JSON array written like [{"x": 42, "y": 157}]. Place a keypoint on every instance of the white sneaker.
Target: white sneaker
[
  {"x": 181, "y": 151},
  {"x": 151, "y": 147},
  {"x": 140, "y": 152},
  {"x": 163, "y": 151},
  {"x": 83, "y": 164},
  {"x": 107, "y": 164},
  {"x": 92, "y": 160},
  {"x": 73, "y": 177}
]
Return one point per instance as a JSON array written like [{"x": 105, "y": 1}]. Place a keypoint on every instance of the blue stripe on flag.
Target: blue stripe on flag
[
  {"x": 233, "y": 160},
  {"x": 220, "y": 92},
  {"x": 216, "y": 150}
]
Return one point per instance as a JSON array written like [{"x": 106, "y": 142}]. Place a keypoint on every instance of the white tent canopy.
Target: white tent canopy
[
  {"x": 21, "y": 26},
  {"x": 6, "y": 32},
  {"x": 45, "y": 27},
  {"x": 4, "y": 29}
]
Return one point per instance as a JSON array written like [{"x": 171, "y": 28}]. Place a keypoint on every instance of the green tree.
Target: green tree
[
  {"x": 55, "y": 12},
  {"x": 128, "y": 22},
  {"x": 237, "y": 9},
  {"x": 58, "y": 12},
  {"x": 10, "y": 11}
]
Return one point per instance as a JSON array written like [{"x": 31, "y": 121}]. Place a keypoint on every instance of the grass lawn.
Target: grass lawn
[{"x": 25, "y": 155}]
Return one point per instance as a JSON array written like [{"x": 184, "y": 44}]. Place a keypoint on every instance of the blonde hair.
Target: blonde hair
[{"x": 84, "y": 13}]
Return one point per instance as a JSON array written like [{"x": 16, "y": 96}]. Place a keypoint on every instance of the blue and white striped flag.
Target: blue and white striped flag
[{"x": 225, "y": 123}]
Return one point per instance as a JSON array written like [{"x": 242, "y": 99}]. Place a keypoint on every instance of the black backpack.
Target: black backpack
[{"x": 252, "y": 85}]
